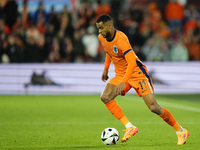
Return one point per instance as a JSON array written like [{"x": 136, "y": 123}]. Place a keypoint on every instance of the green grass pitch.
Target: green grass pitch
[{"x": 75, "y": 122}]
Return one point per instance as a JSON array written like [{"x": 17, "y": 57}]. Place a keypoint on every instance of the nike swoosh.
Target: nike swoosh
[{"x": 143, "y": 91}]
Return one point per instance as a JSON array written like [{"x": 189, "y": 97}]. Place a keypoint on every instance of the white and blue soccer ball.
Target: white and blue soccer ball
[{"x": 109, "y": 136}]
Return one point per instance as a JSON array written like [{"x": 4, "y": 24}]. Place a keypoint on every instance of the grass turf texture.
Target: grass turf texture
[{"x": 74, "y": 122}]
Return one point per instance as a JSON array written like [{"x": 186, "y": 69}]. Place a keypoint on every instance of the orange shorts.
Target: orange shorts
[{"x": 142, "y": 84}]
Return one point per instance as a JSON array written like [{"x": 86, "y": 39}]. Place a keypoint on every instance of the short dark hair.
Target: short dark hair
[{"x": 104, "y": 18}]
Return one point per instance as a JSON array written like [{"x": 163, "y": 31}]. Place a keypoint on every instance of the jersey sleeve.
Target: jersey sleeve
[
  {"x": 130, "y": 58},
  {"x": 126, "y": 48},
  {"x": 123, "y": 43},
  {"x": 107, "y": 62}
]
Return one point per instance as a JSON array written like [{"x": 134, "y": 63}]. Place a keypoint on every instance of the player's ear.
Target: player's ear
[{"x": 109, "y": 25}]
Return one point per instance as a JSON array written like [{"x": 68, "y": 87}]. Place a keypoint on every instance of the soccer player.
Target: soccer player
[{"x": 130, "y": 73}]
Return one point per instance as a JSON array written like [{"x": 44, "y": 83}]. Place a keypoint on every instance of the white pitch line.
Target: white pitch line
[{"x": 168, "y": 104}]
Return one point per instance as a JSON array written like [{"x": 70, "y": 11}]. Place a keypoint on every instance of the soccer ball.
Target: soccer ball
[{"x": 109, "y": 136}]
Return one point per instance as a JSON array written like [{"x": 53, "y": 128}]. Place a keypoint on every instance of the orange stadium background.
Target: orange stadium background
[{"x": 51, "y": 47}]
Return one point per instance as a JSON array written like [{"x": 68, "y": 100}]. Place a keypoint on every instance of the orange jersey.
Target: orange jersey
[{"x": 119, "y": 51}]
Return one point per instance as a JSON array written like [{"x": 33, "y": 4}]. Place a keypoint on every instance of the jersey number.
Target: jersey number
[{"x": 141, "y": 83}]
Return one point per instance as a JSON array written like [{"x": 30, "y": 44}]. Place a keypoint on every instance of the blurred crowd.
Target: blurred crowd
[{"x": 167, "y": 30}]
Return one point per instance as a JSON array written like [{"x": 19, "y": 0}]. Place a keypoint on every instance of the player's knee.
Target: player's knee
[
  {"x": 105, "y": 98},
  {"x": 154, "y": 109}
]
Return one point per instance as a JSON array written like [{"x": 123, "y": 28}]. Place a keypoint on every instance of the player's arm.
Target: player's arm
[
  {"x": 130, "y": 58},
  {"x": 106, "y": 67},
  {"x": 124, "y": 45}
]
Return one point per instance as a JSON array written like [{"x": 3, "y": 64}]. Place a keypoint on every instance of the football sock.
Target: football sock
[
  {"x": 116, "y": 111},
  {"x": 177, "y": 127},
  {"x": 128, "y": 125},
  {"x": 181, "y": 130},
  {"x": 169, "y": 119},
  {"x": 124, "y": 120}
]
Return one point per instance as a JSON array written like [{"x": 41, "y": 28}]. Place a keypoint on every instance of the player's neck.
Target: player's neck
[{"x": 112, "y": 34}]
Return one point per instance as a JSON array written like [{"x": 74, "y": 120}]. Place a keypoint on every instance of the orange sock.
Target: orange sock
[
  {"x": 116, "y": 111},
  {"x": 124, "y": 120},
  {"x": 169, "y": 119}
]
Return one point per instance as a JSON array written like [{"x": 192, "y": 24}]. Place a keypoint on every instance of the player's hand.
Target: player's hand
[
  {"x": 104, "y": 76},
  {"x": 120, "y": 88}
]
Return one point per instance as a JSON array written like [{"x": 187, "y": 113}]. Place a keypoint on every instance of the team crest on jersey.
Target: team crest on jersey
[{"x": 115, "y": 50}]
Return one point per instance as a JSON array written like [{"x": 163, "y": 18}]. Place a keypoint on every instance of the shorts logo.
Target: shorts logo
[
  {"x": 143, "y": 91},
  {"x": 115, "y": 50}
]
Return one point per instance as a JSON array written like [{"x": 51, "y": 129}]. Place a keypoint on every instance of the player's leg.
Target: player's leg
[
  {"x": 107, "y": 97},
  {"x": 152, "y": 104},
  {"x": 144, "y": 87},
  {"x": 108, "y": 93},
  {"x": 167, "y": 117}
]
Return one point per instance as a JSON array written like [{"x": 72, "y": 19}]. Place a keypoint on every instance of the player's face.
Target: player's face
[{"x": 103, "y": 29}]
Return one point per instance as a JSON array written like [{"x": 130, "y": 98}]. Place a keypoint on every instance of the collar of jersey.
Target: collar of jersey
[{"x": 113, "y": 37}]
